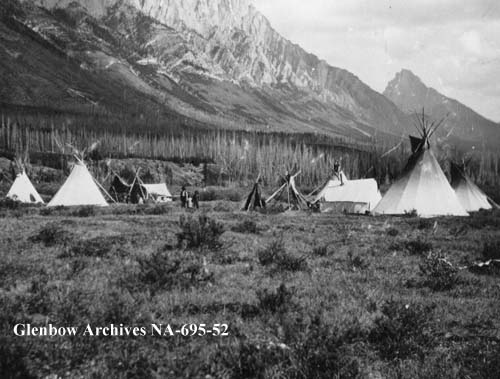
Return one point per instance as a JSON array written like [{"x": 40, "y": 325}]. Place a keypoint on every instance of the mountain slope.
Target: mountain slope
[{"x": 409, "y": 93}]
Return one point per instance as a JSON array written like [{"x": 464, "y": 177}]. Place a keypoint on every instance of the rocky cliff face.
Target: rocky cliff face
[
  {"x": 409, "y": 93},
  {"x": 216, "y": 60}
]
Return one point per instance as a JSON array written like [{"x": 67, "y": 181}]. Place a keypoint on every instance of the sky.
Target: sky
[{"x": 452, "y": 45}]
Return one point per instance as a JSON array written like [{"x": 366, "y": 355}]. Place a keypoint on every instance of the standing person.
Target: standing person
[
  {"x": 184, "y": 197},
  {"x": 196, "y": 200}
]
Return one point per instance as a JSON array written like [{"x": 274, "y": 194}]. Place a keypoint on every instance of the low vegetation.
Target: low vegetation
[{"x": 308, "y": 296}]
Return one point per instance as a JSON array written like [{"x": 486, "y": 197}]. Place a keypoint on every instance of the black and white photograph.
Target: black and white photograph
[{"x": 250, "y": 189}]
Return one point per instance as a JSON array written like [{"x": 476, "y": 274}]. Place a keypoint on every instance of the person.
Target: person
[
  {"x": 196, "y": 199},
  {"x": 184, "y": 197},
  {"x": 337, "y": 171}
]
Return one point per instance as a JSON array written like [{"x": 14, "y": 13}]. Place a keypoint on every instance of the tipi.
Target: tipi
[
  {"x": 470, "y": 196},
  {"x": 80, "y": 188},
  {"x": 423, "y": 187},
  {"x": 289, "y": 190},
  {"x": 254, "y": 199},
  {"x": 348, "y": 196},
  {"x": 22, "y": 190}
]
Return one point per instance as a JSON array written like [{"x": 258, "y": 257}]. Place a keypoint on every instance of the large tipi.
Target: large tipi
[
  {"x": 79, "y": 189},
  {"x": 423, "y": 187},
  {"x": 23, "y": 190},
  {"x": 470, "y": 196},
  {"x": 349, "y": 196}
]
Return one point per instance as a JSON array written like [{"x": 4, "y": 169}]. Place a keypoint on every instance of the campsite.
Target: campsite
[
  {"x": 341, "y": 280},
  {"x": 249, "y": 189}
]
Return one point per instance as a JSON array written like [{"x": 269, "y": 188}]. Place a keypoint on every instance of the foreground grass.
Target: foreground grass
[{"x": 305, "y": 295}]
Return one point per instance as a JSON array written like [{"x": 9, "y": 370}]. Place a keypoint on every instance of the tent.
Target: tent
[
  {"x": 157, "y": 192},
  {"x": 348, "y": 196},
  {"x": 124, "y": 192},
  {"x": 289, "y": 191},
  {"x": 470, "y": 196},
  {"x": 423, "y": 187},
  {"x": 80, "y": 188},
  {"x": 22, "y": 190},
  {"x": 254, "y": 199}
]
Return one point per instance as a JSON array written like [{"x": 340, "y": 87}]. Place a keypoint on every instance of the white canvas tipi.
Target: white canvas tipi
[
  {"x": 423, "y": 187},
  {"x": 470, "y": 196},
  {"x": 79, "y": 189},
  {"x": 22, "y": 190}
]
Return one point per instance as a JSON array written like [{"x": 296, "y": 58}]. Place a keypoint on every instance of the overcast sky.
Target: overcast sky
[{"x": 452, "y": 45}]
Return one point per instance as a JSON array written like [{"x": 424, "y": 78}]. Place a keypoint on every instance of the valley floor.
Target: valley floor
[{"x": 304, "y": 295}]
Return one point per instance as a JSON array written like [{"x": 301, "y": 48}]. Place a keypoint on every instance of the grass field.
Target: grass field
[{"x": 304, "y": 295}]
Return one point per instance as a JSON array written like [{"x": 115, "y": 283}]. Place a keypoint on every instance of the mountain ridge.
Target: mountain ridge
[{"x": 411, "y": 94}]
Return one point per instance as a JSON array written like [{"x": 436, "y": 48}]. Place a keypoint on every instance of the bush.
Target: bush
[
  {"x": 356, "y": 262},
  {"x": 279, "y": 301},
  {"x": 479, "y": 359},
  {"x": 168, "y": 270},
  {"x": 402, "y": 331},
  {"x": 275, "y": 255},
  {"x": 8, "y": 203},
  {"x": 85, "y": 211},
  {"x": 320, "y": 250},
  {"x": 418, "y": 246},
  {"x": 94, "y": 247},
  {"x": 491, "y": 250},
  {"x": 247, "y": 226},
  {"x": 393, "y": 232},
  {"x": 200, "y": 233},
  {"x": 321, "y": 351},
  {"x": 438, "y": 274},
  {"x": 52, "y": 234}
]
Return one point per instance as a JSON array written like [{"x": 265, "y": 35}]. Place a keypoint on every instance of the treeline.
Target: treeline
[{"x": 241, "y": 155}]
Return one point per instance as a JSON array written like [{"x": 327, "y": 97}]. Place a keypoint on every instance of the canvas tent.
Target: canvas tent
[
  {"x": 157, "y": 192},
  {"x": 22, "y": 190},
  {"x": 124, "y": 192},
  {"x": 254, "y": 199},
  {"x": 348, "y": 196},
  {"x": 80, "y": 188},
  {"x": 470, "y": 196},
  {"x": 423, "y": 187}
]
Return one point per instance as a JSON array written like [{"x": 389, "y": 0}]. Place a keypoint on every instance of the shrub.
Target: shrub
[
  {"x": 168, "y": 270},
  {"x": 479, "y": 359},
  {"x": 275, "y": 301},
  {"x": 8, "y": 203},
  {"x": 321, "y": 351},
  {"x": 418, "y": 246},
  {"x": 491, "y": 250},
  {"x": 85, "y": 211},
  {"x": 200, "y": 233},
  {"x": 402, "y": 331},
  {"x": 320, "y": 250},
  {"x": 247, "y": 226},
  {"x": 275, "y": 255},
  {"x": 438, "y": 273},
  {"x": 356, "y": 262},
  {"x": 52, "y": 234},
  {"x": 393, "y": 232},
  {"x": 94, "y": 247}
]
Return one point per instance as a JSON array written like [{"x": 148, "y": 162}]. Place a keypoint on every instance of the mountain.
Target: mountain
[
  {"x": 218, "y": 62},
  {"x": 409, "y": 93}
]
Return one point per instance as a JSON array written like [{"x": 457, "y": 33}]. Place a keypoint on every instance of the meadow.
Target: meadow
[{"x": 305, "y": 295}]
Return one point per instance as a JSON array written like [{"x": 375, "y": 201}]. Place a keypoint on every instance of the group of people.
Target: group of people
[{"x": 189, "y": 202}]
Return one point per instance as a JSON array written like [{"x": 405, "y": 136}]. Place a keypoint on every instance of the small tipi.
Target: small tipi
[
  {"x": 423, "y": 187},
  {"x": 254, "y": 199},
  {"x": 79, "y": 188},
  {"x": 470, "y": 196},
  {"x": 23, "y": 190},
  {"x": 293, "y": 197}
]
